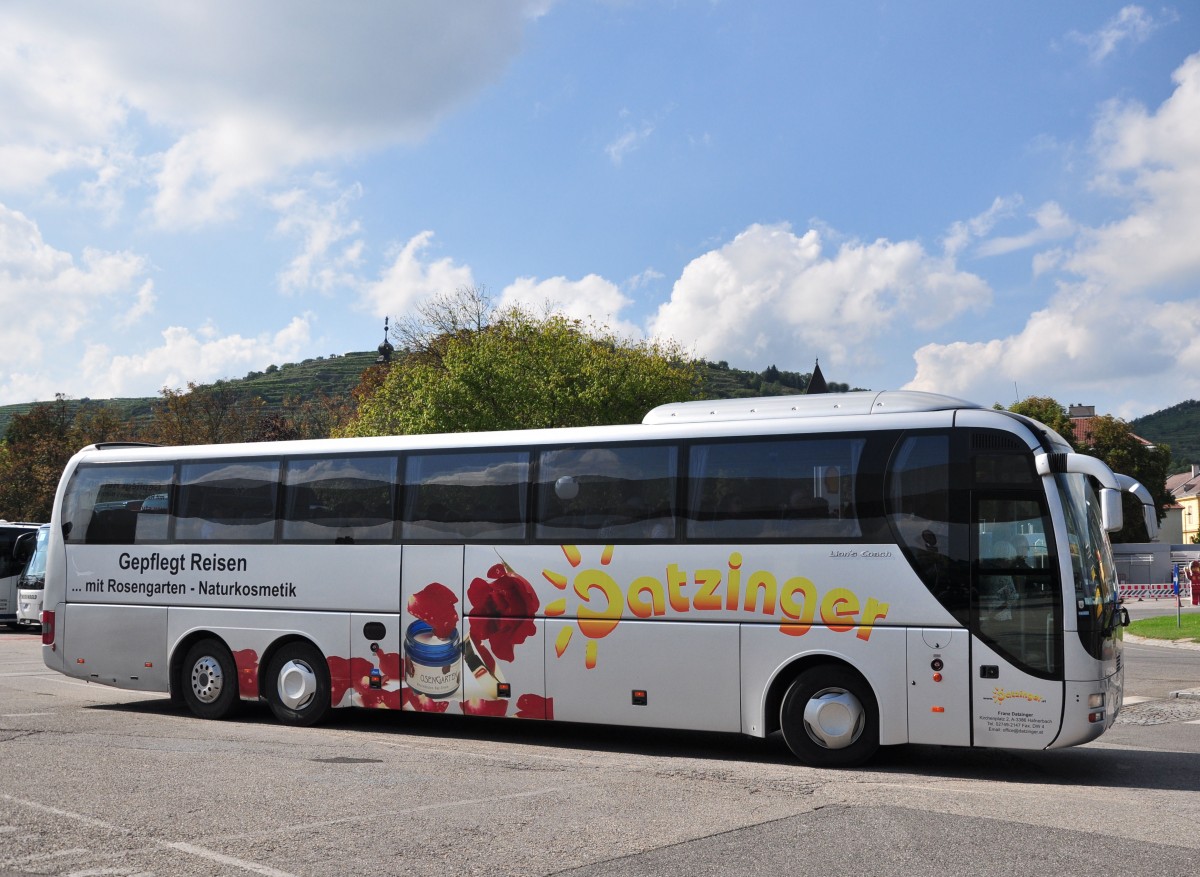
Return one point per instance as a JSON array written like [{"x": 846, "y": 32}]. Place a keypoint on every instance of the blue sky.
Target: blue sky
[{"x": 987, "y": 201}]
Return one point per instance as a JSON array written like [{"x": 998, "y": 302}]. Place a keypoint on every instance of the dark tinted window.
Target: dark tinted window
[
  {"x": 347, "y": 499},
  {"x": 919, "y": 508},
  {"x": 118, "y": 505},
  {"x": 607, "y": 493},
  {"x": 798, "y": 488},
  {"x": 1005, "y": 469},
  {"x": 472, "y": 496},
  {"x": 227, "y": 502},
  {"x": 9, "y": 565}
]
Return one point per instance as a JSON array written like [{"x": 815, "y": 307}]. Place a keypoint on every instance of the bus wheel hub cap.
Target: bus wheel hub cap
[
  {"x": 834, "y": 718},
  {"x": 207, "y": 680},
  {"x": 297, "y": 684}
]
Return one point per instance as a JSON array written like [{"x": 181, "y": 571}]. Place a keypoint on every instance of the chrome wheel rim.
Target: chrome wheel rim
[{"x": 208, "y": 680}]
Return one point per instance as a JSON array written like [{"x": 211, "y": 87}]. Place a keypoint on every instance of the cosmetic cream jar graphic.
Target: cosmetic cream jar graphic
[{"x": 431, "y": 663}]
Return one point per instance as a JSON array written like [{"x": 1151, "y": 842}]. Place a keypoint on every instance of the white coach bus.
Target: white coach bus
[{"x": 854, "y": 570}]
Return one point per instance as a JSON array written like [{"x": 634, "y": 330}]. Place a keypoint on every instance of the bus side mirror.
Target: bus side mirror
[
  {"x": 23, "y": 547},
  {"x": 1111, "y": 513}
]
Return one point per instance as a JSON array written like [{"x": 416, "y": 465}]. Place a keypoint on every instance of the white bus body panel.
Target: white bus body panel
[
  {"x": 939, "y": 700},
  {"x": 688, "y": 673},
  {"x": 286, "y": 578},
  {"x": 141, "y": 661}
]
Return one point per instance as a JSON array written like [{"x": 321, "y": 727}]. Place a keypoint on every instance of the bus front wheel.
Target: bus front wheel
[
  {"x": 829, "y": 718},
  {"x": 208, "y": 680},
  {"x": 298, "y": 684}
]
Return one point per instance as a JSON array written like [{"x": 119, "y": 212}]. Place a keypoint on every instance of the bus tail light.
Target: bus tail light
[{"x": 47, "y": 627}]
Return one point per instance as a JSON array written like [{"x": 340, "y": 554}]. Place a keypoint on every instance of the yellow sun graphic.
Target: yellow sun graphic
[{"x": 592, "y": 624}]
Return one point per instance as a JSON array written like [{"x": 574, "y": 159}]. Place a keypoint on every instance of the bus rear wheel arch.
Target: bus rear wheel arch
[
  {"x": 208, "y": 681},
  {"x": 297, "y": 685},
  {"x": 829, "y": 717}
]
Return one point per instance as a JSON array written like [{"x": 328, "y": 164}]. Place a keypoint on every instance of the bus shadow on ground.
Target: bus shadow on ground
[{"x": 1089, "y": 767}]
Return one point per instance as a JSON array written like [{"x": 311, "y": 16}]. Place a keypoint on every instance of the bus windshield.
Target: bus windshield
[
  {"x": 35, "y": 572},
  {"x": 1092, "y": 564}
]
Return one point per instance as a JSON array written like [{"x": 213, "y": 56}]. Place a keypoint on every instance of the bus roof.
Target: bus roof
[
  {"x": 714, "y": 418},
  {"x": 821, "y": 405}
]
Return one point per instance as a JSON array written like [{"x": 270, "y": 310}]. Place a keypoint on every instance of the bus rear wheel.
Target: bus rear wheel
[
  {"x": 829, "y": 718},
  {"x": 208, "y": 680},
  {"x": 298, "y": 684}
]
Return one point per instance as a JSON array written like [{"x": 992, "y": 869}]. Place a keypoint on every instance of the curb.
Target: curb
[{"x": 1165, "y": 643}]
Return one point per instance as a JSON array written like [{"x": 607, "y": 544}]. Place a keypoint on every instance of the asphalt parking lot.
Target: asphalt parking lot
[{"x": 100, "y": 781}]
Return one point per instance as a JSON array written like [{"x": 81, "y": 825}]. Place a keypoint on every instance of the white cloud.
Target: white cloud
[
  {"x": 331, "y": 249},
  {"x": 770, "y": 295},
  {"x": 1131, "y": 24},
  {"x": 591, "y": 298},
  {"x": 962, "y": 233},
  {"x": 225, "y": 97},
  {"x": 144, "y": 305},
  {"x": 408, "y": 279},
  {"x": 186, "y": 355},
  {"x": 1051, "y": 223},
  {"x": 628, "y": 142},
  {"x": 1125, "y": 302},
  {"x": 50, "y": 298}
]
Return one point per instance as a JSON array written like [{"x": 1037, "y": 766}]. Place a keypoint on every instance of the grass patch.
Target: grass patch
[{"x": 1163, "y": 627}]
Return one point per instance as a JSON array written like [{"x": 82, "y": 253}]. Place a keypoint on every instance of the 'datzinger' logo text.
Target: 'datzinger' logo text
[{"x": 795, "y": 600}]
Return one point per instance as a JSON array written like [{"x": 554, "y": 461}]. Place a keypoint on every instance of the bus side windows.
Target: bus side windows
[
  {"x": 227, "y": 502},
  {"x": 339, "y": 499},
  {"x": 793, "y": 488},
  {"x": 609, "y": 493},
  {"x": 475, "y": 496},
  {"x": 118, "y": 504}
]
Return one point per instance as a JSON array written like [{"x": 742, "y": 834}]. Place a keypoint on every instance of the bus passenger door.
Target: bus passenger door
[{"x": 1016, "y": 621}]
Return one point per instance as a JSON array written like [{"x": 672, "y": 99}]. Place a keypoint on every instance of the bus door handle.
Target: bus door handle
[{"x": 989, "y": 671}]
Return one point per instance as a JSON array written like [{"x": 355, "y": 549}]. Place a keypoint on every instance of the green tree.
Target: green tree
[
  {"x": 466, "y": 366},
  {"x": 1113, "y": 441},
  {"x": 38, "y": 445},
  {"x": 1048, "y": 411},
  {"x": 203, "y": 415}
]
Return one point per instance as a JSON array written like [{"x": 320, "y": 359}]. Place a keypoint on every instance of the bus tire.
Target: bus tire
[
  {"x": 208, "y": 680},
  {"x": 829, "y": 718},
  {"x": 297, "y": 684}
]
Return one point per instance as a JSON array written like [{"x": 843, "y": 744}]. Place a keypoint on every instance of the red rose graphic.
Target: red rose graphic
[
  {"x": 246, "y": 661},
  {"x": 434, "y": 604},
  {"x": 502, "y": 608},
  {"x": 355, "y": 673},
  {"x": 423, "y": 704},
  {"x": 484, "y": 707},
  {"x": 534, "y": 706},
  {"x": 339, "y": 678}
]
